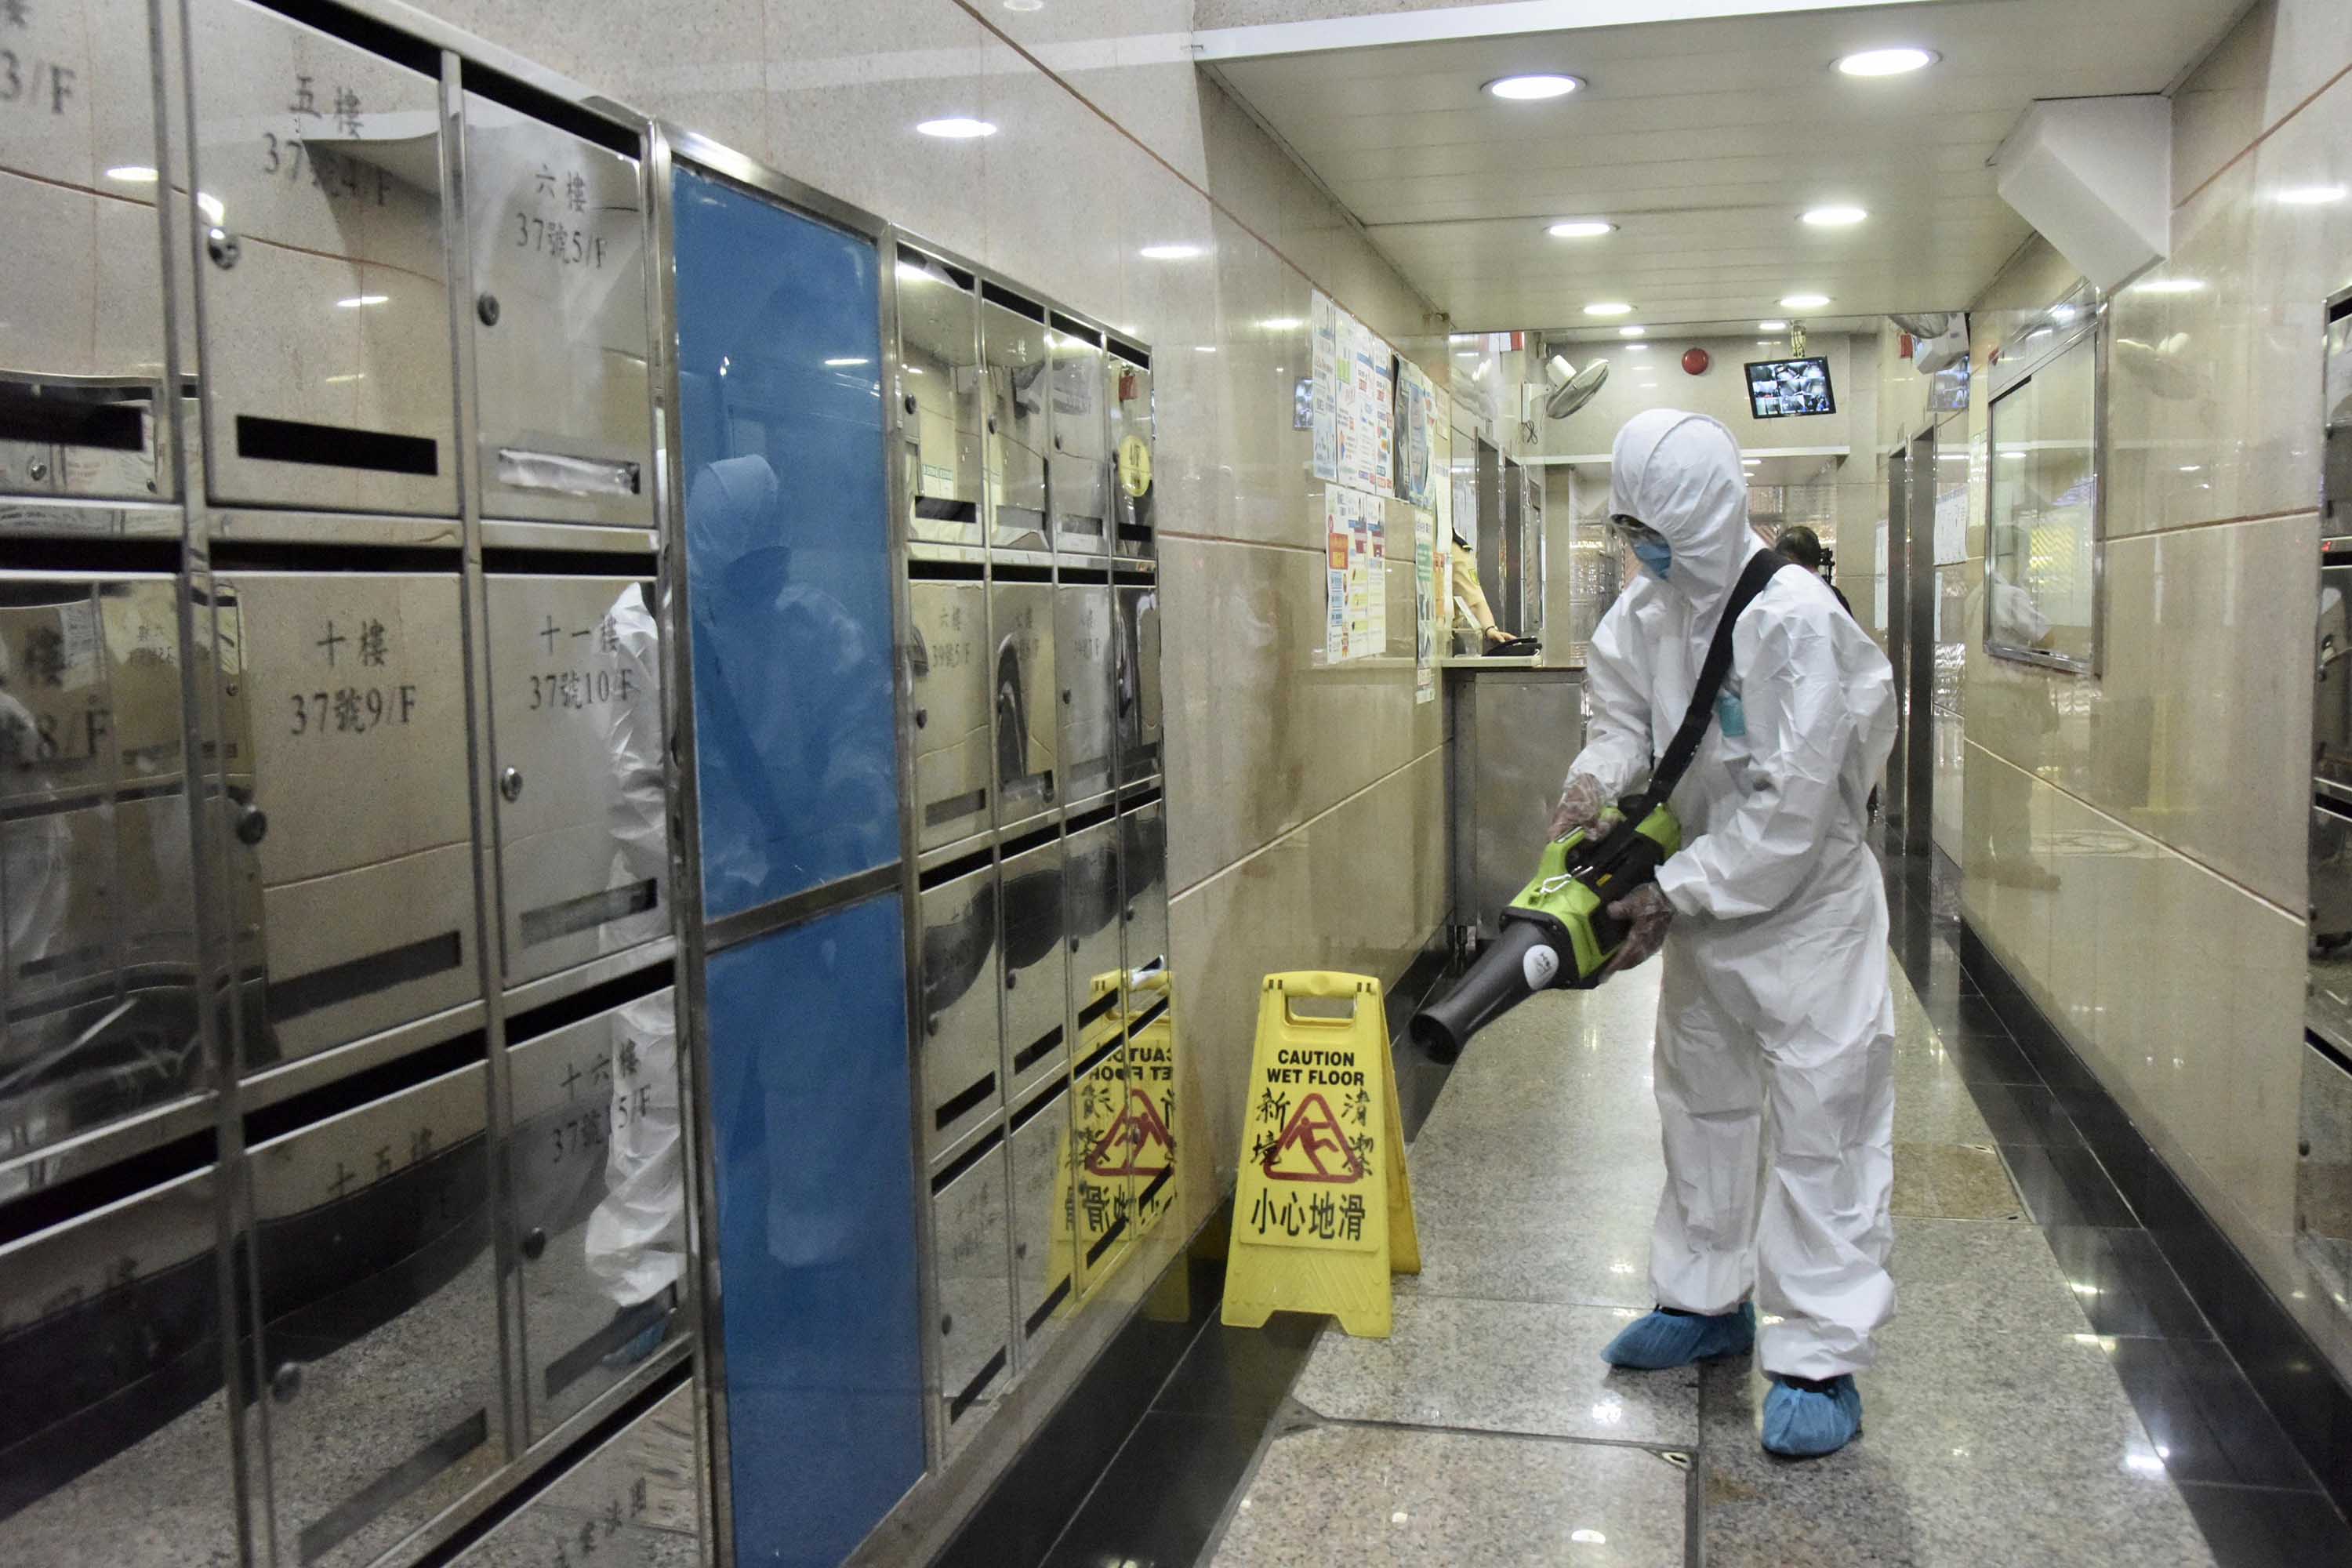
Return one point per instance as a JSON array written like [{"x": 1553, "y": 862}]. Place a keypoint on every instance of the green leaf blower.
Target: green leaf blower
[{"x": 1559, "y": 933}]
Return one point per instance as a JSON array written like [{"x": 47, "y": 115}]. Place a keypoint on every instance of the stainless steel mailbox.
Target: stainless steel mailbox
[
  {"x": 560, "y": 336},
  {"x": 1134, "y": 431},
  {"x": 1036, "y": 967},
  {"x": 1092, "y": 888},
  {"x": 961, "y": 1056},
  {"x": 110, "y": 1351},
  {"x": 352, "y": 842},
  {"x": 1102, "y": 1180},
  {"x": 941, "y": 395},
  {"x": 1138, "y": 717},
  {"x": 948, "y": 670},
  {"x": 81, "y": 340},
  {"x": 634, "y": 1502},
  {"x": 1028, "y": 700},
  {"x": 1045, "y": 1260},
  {"x": 597, "y": 1179},
  {"x": 97, "y": 947},
  {"x": 1081, "y": 487},
  {"x": 583, "y": 815},
  {"x": 970, "y": 1244},
  {"x": 325, "y": 309},
  {"x": 1019, "y": 382},
  {"x": 1083, "y": 657},
  {"x": 378, "y": 1342},
  {"x": 1144, "y": 887}
]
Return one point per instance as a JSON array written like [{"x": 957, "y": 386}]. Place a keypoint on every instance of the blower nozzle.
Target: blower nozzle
[{"x": 1517, "y": 964}]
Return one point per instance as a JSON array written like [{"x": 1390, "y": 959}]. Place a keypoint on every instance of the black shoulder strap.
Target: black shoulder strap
[{"x": 1668, "y": 773}]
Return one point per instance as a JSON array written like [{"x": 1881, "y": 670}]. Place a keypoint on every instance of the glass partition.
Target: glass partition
[{"x": 2041, "y": 554}]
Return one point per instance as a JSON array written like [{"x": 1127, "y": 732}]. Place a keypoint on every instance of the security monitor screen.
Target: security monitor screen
[{"x": 1777, "y": 388}]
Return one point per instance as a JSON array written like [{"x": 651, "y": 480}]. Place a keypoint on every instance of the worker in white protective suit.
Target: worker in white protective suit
[
  {"x": 1773, "y": 922},
  {"x": 636, "y": 1240}
]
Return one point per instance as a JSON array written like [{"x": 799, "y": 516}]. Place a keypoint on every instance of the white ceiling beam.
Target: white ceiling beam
[{"x": 1440, "y": 24}]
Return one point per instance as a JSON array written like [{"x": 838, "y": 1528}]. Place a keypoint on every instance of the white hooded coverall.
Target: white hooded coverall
[{"x": 1775, "y": 986}]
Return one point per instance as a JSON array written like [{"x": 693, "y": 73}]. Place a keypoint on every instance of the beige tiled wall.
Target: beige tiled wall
[{"x": 2133, "y": 843}]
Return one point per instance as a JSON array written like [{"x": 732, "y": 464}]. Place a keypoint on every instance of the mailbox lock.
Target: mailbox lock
[
  {"x": 931, "y": 1024},
  {"x": 922, "y": 717},
  {"x": 534, "y": 1242},
  {"x": 991, "y": 424},
  {"x": 222, "y": 247},
  {"x": 1074, "y": 944},
  {"x": 947, "y": 1322},
  {"x": 1011, "y": 980},
  {"x": 1130, "y": 913},
  {"x": 252, "y": 824},
  {"x": 36, "y": 469},
  {"x": 487, "y": 307},
  {"x": 511, "y": 784},
  {"x": 286, "y": 1382},
  {"x": 1058, "y": 443},
  {"x": 1066, "y": 697},
  {"x": 911, "y": 402}
]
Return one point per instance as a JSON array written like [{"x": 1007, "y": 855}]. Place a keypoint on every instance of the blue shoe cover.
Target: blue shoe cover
[
  {"x": 1799, "y": 1424},
  {"x": 1661, "y": 1340}
]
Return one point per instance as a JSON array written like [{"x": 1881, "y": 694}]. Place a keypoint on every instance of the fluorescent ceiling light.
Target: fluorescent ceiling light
[
  {"x": 1635, "y": 348},
  {"x": 2168, "y": 286},
  {"x": 1580, "y": 228},
  {"x": 1609, "y": 308},
  {"x": 1533, "y": 86},
  {"x": 957, "y": 127},
  {"x": 1887, "y": 62},
  {"x": 843, "y": 363},
  {"x": 1168, "y": 252},
  {"x": 1836, "y": 218},
  {"x": 132, "y": 175},
  {"x": 1633, "y": 331},
  {"x": 1772, "y": 326},
  {"x": 1282, "y": 324},
  {"x": 356, "y": 300},
  {"x": 1204, "y": 348},
  {"x": 1025, "y": 5},
  {"x": 1803, "y": 301},
  {"x": 2298, "y": 197}
]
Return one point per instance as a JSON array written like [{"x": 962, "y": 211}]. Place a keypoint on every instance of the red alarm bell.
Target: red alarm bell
[{"x": 1695, "y": 360}]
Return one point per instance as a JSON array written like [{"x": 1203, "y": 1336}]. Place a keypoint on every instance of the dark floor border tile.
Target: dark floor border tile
[
  {"x": 2247, "y": 1526},
  {"x": 2295, "y": 1379}
]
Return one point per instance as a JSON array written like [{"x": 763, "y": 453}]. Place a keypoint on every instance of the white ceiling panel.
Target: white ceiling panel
[{"x": 1703, "y": 141}]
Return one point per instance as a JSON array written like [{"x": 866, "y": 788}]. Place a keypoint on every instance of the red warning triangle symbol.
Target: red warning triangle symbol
[
  {"x": 1313, "y": 1148},
  {"x": 1137, "y": 1144}
]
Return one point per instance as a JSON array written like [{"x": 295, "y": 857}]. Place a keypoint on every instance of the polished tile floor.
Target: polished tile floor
[{"x": 2048, "y": 1394}]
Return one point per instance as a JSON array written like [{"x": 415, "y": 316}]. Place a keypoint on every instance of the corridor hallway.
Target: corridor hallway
[{"x": 2047, "y": 1395}]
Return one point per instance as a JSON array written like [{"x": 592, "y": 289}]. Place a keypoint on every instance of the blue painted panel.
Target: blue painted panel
[
  {"x": 787, "y": 546},
  {"x": 816, "y": 1234}
]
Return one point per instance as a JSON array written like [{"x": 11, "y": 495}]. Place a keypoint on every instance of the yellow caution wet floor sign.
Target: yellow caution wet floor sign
[{"x": 1324, "y": 1212}]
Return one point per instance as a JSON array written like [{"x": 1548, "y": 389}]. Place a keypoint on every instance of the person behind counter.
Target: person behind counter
[{"x": 1470, "y": 597}]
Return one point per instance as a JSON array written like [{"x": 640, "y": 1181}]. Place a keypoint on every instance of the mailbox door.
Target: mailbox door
[
  {"x": 82, "y": 338},
  {"x": 560, "y": 331},
  {"x": 378, "y": 1346},
  {"x": 635, "y": 1500},
  {"x": 1083, "y": 661},
  {"x": 1138, "y": 700},
  {"x": 962, "y": 1058},
  {"x": 597, "y": 1182},
  {"x": 1144, "y": 885},
  {"x": 1092, "y": 925},
  {"x": 1045, "y": 1262},
  {"x": 1028, "y": 699},
  {"x": 941, "y": 390},
  {"x": 351, "y": 853},
  {"x": 582, "y": 812},
  {"x": 1133, "y": 436},
  {"x": 326, "y": 345},
  {"x": 971, "y": 1245},
  {"x": 948, "y": 678},
  {"x": 1019, "y": 376}
]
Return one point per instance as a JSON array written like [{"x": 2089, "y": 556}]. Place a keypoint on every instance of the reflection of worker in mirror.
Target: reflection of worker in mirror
[
  {"x": 2013, "y": 704},
  {"x": 635, "y": 1241}
]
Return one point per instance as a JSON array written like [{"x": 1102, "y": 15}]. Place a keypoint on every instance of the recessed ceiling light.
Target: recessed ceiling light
[
  {"x": 1168, "y": 252},
  {"x": 132, "y": 175},
  {"x": 1772, "y": 326},
  {"x": 842, "y": 363},
  {"x": 1580, "y": 228},
  {"x": 1609, "y": 308},
  {"x": 1025, "y": 5},
  {"x": 1635, "y": 348},
  {"x": 1836, "y": 218},
  {"x": 1204, "y": 348},
  {"x": 1803, "y": 301},
  {"x": 1539, "y": 85},
  {"x": 1282, "y": 324},
  {"x": 1887, "y": 62},
  {"x": 1633, "y": 331},
  {"x": 957, "y": 127},
  {"x": 356, "y": 300},
  {"x": 2168, "y": 286},
  {"x": 2299, "y": 196}
]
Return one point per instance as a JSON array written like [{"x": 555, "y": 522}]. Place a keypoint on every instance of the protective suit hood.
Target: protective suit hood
[{"x": 1680, "y": 474}]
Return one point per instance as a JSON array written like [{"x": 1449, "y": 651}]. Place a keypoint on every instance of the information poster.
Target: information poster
[
  {"x": 1355, "y": 401},
  {"x": 1424, "y": 608},
  {"x": 1420, "y": 424},
  {"x": 1356, "y": 591}
]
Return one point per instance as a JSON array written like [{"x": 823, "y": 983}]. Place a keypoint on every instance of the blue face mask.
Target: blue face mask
[{"x": 1657, "y": 554}]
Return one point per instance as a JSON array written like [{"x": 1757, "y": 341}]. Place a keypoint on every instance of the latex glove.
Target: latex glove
[
  {"x": 1582, "y": 803},
  {"x": 1646, "y": 911}
]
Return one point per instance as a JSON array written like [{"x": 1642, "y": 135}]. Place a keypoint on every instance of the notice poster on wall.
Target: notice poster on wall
[
  {"x": 1419, "y": 430},
  {"x": 1355, "y": 401},
  {"x": 1355, "y": 586},
  {"x": 1424, "y": 604}
]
